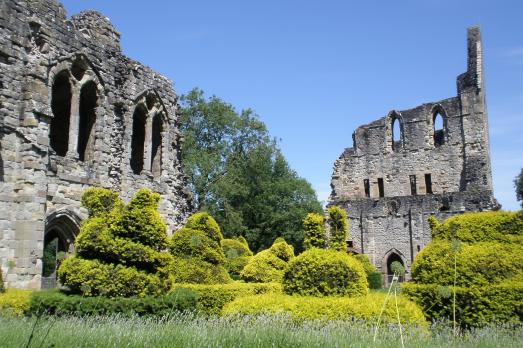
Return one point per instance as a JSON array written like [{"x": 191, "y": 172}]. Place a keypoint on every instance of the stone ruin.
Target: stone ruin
[
  {"x": 75, "y": 113},
  {"x": 430, "y": 160}
]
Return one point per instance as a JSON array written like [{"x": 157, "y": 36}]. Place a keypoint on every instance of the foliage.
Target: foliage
[
  {"x": 14, "y": 302},
  {"x": 495, "y": 226},
  {"x": 268, "y": 265},
  {"x": 212, "y": 298},
  {"x": 320, "y": 272},
  {"x": 478, "y": 264},
  {"x": 397, "y": 268},
  {"x": 238, "y": 174},
  {"x": 365, "y": 262},
  {"x": 238, "y": 255},
  {"x": 197, "y": 251},
  {"x": 313, "y": 231},
  {"x": 518, "y": 185},
  {"x": 375, "y": 280},
  {"x": 119, "y": 247},
  {"x": 54, "y": 302},
  {"x": 2, "y": 288},
  {"x": 327, "y": 308},
  {"x": 339, "y": 228},
  {"x": 475, "y": 306},
  {"x": 257, "y": 331}
]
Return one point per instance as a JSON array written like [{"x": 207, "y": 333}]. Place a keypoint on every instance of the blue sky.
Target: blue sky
[{"x": 315, "y": 70}]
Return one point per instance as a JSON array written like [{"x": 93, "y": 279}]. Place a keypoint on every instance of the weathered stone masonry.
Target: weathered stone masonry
[
  {"x": 402, "y": 168},
  {"x": 74, "y": 113}
]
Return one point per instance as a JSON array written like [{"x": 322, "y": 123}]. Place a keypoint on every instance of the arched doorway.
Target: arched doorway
[
  {"x": 390, "y": 257},
  {"x": 61, "y": 229}
]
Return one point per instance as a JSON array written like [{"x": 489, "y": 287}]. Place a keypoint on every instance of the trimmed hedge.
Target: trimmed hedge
[
  {"x": 301, "y": 308},
  {"x": 196, "y": 244},
  {"x": 193, "y": 270},
  {"x": 478, "y": 264},
  {"x": 475, "y": 306},
  {"x": 58, "y": 303},
  {"x": 14, "y": 302},
  {"x": 313, "y": 231},
  {"x": 375, "y": 280},
  {"x": 365, "y": 262},
  {"x": 268, "y": 265},
  {"x": 237, "y": 253},
  {"x": 212, "y": 298},
  {"x": 338, "y": 228},
  {"x": 498, "y": 226},
  {"x": 320, "y": 272},
  {"x": 202, "y": 221}
]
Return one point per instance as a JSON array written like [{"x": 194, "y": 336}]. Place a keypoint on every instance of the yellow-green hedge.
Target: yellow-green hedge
[
  {"x": 475, "y": 306},
  {"x": 366, "y": 307},
  {"x": 500, "y": 226},
  {"x": 313, "y": 231},
  {"x": 477, "y": 264},
  {"x": 212, "y": 298},
  {"x": 268, "y": 265},
  {"x": 320, "y": 272},
  {"x": 14, "y": 302},
  {"x": 194, "y": 270}
]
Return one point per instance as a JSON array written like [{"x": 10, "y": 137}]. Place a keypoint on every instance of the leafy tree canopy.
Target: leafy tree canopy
[
  {"x": 518, "y": 184},
  {"x": 238, "y": 174}
]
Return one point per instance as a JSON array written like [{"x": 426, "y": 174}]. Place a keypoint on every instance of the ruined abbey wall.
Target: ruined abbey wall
[
  {"x": 75, "y": 113},
  {"x": 390, "y": 183}
]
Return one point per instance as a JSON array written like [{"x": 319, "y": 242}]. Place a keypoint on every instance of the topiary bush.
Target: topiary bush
[
  {"x": 319, "y": 272},
  {"x": 365, "y": 262},
  {"x": 14, "y": 302},
  {"x": 313, "y": 231},
  {"x": 197, "y": 251},
  {"x": 119, "y": 247},
  {"x": 490, "y": 226},
  {"x": 237, "y": 253},
  {"x": 375, "y": 280},
  {"x": 477, "y": 264},
  {"x": 339, "y": 228},
  {"x": 367, "y": 307},
  {"x": 268, "y": 265}
]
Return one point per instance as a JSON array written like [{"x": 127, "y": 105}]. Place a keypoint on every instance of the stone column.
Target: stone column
[
  {"x": 147, "y": 146},
  {"x": 74, "y": 122}
]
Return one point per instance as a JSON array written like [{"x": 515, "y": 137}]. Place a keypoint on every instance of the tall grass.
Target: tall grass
[{"x": 188, "y": 330}]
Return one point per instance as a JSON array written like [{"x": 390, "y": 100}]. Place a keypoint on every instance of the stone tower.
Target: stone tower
[
  {"x": 430, "y": 160},
  {"x": 75, "y": 113}
]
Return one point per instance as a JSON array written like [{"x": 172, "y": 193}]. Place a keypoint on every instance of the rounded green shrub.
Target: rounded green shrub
[
  {"x": 500, "y": 226},
  {"x": 268, "y": 265},
  {"x": 477, "y": 264},
  {"x": 197, "y": 271},
  {"x": 365, "y": 262},
  {"x": 99, "y": 201},
  {"x": 375, "y": 280},
  {"x": 319, "y": 272},
  {"x": 196, "y": 243},
  {"x": 202, "y": 221},
  {"x": 338, "y": 227},
  {"x": 236, "y": 247},
  {"x": 313, "y": 231}
]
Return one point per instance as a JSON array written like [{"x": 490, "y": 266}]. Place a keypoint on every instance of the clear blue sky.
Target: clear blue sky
[{"x": 315, "y": 70}]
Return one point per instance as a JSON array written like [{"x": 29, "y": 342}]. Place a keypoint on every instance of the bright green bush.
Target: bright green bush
[
  {"x": 375, "y": 280},
  {"x": 339, "y": 228},
  {"x": 477, "y": 264},
  {"x": 300, "y": 308},
  {"x": 475, "y": 306},
  {"x": 212, "y": 298},
  {"x": 14, "y": 302},
  {"x": 320, "y": 272},
  {"x": 268, "y": 265},
  {"x": 365, "y": 262},
  {"x": 497, "y": 226},
  {"x": 54, "y": 302},
  {"x": 233, "y": 248},
  {"x": 313, "y": 231},
  {"x": 202, "y": 221},
  {"x": 198, "y": 253},
  {"x": 197, "y": 271},
  {"x": 119, "y": 250}
]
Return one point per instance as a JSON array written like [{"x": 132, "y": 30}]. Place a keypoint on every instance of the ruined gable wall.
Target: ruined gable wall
[{"x": 39, "y": 46}]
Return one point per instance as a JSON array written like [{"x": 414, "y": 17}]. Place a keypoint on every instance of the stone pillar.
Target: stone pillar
[
  {"x": 74, "y": 122},
  {"x": 147, "y": 146}
]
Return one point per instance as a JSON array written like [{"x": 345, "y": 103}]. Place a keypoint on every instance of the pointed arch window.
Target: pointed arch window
[
  {"x": 61, "y": 107},
  {"x": 156, "y": 141},
  {"x": 396, "y": 135},
  {"x": 86, "y": 136},
  {"x": 439, "y": 129},
  {"x": 138, "y": 139}
]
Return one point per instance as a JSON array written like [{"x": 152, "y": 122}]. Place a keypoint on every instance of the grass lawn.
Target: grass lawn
[{"x": 187, "y": 330}]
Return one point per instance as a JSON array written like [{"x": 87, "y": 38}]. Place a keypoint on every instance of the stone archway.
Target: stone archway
[
  {"x": 61, "y": 229},
  {"x": 391, "y": 256}
]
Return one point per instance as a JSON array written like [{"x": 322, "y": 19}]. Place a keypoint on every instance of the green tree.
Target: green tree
[
  {"x": 314, "y": 232},
  {"x": 518, "y": 184},
  {"x": 239, "y": 175},
  {"x": 339, "y": 228}
]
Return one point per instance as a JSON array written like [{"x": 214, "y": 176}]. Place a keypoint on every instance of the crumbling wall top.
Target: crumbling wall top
[{"x": 94, "y": 25}]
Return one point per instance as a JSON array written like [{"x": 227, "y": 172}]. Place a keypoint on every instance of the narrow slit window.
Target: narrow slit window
[
  {"x": 396, "y": 134},
  {"x": 439, "y": 134},
  {"x": 156, "y": 158},
  {"x": 428, "y": 183},
  {"x": 88, "y": 101},
  {"x": 366, "y": 185},
  {"x": 381, "y": 189},
  {"x": 413, "y": 187},
  {"x": 138, "y": 139},
  {"x": 61, "y": 108}
]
